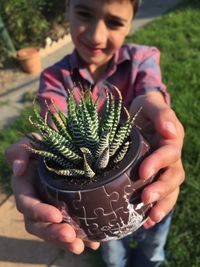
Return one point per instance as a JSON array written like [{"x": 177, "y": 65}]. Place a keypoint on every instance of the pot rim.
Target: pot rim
[
  {"x": 130, "y": 159},
  {"x": 27, "y": 52}
]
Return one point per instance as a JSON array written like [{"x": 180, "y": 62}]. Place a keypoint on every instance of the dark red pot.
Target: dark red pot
[{"x": 108, "y": 209}]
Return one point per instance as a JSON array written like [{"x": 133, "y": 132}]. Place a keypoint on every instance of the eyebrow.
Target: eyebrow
[
  {"x": 118, "y": 18},
  {"x": 84, "y": 7}
]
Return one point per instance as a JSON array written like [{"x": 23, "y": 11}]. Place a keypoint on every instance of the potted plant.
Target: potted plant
[
  {"x": 88, "y": 166},
  {"x": 29, "y": 58}
]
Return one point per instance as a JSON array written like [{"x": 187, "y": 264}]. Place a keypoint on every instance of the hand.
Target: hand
[
  {"x": 40, "y": 219},
  {"x": 165, "y": 133}
]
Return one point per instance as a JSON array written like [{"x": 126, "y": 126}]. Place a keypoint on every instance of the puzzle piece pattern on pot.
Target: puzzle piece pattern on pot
[{"x": 116, "y": 219}]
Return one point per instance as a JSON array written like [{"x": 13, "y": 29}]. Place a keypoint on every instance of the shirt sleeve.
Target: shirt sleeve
[
  {"x": 52, "y": 88},
  {"x": 149, "y": 76}
]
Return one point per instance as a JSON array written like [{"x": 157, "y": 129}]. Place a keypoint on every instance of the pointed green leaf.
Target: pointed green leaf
[
  {"x": 103, "y": 160},
  {"x": 119, "y": 156},
  {"x": 65, "y": 172},
  {"x": 51, "y": 156},
  {"x": 88, "y": 155},
  {"x": 58, "y": 123},
  {"x": 120, "y": 137},
  {"x": 117, "y": 115},
  {"x": 89, "y": 173},
  {"x": 103, "y": 143}
]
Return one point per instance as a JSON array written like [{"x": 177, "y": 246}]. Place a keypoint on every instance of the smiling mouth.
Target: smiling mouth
[{"x": 93, "y": 49}]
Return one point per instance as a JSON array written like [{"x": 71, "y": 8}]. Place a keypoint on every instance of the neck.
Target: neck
[{"x": 97, "y": 72}]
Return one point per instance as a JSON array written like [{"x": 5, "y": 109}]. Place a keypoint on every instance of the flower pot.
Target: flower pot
[
  {"x": 29, "y": 59},
  {"x": 107, "y": 209}
]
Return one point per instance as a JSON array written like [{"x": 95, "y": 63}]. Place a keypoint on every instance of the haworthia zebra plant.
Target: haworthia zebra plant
[{"x": 83, "y": 143}]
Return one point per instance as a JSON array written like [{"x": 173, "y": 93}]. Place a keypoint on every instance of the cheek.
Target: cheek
[
  {"x": 76, "y": 30},
  {"x": 117, "y": 41}
]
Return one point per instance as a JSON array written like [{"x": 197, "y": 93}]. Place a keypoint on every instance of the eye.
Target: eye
[
  {"x": 114, "y": 24},
  {"x": 84, "y": 15}
]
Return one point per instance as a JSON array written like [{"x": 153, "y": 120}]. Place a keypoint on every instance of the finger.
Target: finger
[
  {"x": 76, "y": 247},
  {"x": 165, "y": 121},
  {"x": 38, "y": 211},
  {"x": 61, "y": 235},
  {"x": 92, "y": 245},
  {"x": 167, "y": 182},
  {"x": 168, "y": 125},
  {"x": 61, "y": 232},
  {"x": 163, "y": 117},
  {"x": 14, "y": 150},
  {"x": 27, "y": 201},
  {"x": 158, "y": 112},
  {"x": 33, "y": 208},
  {"x": 18, "y": 157},
  {"x": 148, "y": 224},
  {"x": 163, "y": 207},
  {"x": 159, "y": 159}
]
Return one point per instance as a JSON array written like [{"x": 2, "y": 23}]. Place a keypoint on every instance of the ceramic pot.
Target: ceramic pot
[
  {"x": 29, "y": 59},
  {"x": 108, "y": 209}
]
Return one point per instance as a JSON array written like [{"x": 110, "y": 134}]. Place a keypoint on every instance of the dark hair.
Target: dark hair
[{"x": 136, "y": 4}]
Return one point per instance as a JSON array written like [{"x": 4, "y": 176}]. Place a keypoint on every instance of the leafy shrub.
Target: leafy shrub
[
  {"x": 3, "y": 55},
  {"x": 29, "y": 22},
  {"x": 53, "y": 9},
  {"x": 25, "y": 22}
]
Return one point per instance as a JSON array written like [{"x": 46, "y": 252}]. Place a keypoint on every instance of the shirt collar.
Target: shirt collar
[{"x": 121, "y": 55}]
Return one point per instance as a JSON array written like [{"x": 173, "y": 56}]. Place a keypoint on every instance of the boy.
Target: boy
[{"x": 98, "y": 29}]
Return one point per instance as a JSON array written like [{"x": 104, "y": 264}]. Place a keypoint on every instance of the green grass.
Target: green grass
[
  {"x": 177, "y": 36},
  {"x": 9, "y": 135}
]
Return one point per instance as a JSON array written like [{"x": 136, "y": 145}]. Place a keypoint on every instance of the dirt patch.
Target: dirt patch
[{"x": 9, "y": 77}]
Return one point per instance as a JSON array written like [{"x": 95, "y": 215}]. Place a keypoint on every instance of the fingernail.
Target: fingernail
[
  {"x": 147, "y": 226},
  {"x": 160, "y": 216},
  {"x": 169, "y": 126},
  {"x": 154, "y": 197},
  {"x": 150, "y": 174},
  {"x": 17, "y": 167}
]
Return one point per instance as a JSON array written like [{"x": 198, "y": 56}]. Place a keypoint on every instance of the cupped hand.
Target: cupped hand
[
  {"x": 42, "y": 220},
  {"x": 165, "y": 133}
]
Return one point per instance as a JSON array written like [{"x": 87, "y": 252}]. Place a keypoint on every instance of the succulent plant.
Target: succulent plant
[{"x": 83, "y": 143}]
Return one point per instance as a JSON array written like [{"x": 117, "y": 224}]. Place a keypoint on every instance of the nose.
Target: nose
[{"x": 97, "y": 33}]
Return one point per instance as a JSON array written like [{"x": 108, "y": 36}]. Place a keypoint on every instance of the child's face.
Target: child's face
[{"x": 98, "y": 28}]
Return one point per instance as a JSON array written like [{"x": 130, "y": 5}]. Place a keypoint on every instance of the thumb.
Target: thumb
[
  {"x": 18, "y": 157},
  {"x": 165, "y": 122},
  {"x": 19, "y": 167},
  {"x": 167, "y": 129}
]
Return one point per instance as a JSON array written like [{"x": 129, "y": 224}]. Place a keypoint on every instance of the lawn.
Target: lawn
[{"x": 177, "y": 36}]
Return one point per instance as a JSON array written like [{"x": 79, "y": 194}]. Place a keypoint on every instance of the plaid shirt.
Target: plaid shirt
[{"x": 134, "y": 69}]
